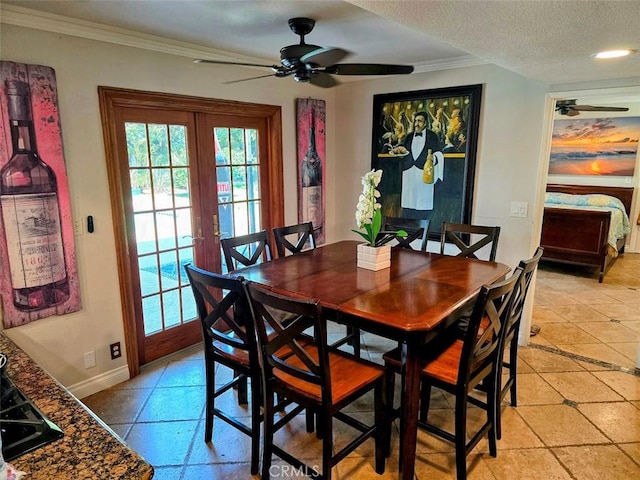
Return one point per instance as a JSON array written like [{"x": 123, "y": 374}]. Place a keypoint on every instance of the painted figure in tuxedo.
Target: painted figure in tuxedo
[{"x": 417, "y": 196}]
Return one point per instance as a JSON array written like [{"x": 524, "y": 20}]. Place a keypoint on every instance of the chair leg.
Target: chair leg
[
  {"x": 242, "y": 389},
  {"x": 493, "y": 417},
  {"x": 310, "y": 417},
  {"x": 389, "y": 381},
  {"x": 381, "y": 420},
  {"x": 513, "y": 366},
  {"x": 267, "y": 440},
  {"x": 256, "y": 396},
  {"x": 210, "y": 369},
  {"x": 461, "y": 436},
  {"x": 327, "y": 444},
  {"x": 356, "y": 342},
  {"x": 425, "y": 399}
]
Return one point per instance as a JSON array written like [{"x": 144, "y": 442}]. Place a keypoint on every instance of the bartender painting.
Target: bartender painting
[{"x": 418, "y": 192}]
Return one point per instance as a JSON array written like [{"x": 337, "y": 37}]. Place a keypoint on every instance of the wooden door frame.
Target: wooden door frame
[{"x": 110, "y": 99}]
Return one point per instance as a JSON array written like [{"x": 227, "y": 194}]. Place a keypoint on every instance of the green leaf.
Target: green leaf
[
  {"x": 377, "y": 224},
  {"x": 401, "y": 233},
  {"x": 361, "y": 234}
]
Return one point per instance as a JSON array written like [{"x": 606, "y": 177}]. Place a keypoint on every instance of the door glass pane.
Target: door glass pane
[
  {"x": 145, "y": 232},
  {"x": 159, "y": 145},
  {"x": 148, "y": 271},
  {"x": 162, "y": 204},
  {"x": 253, "y": 182},
  {"x": 162, "y": 188},
  {"x": 239, "y": 175},
  {"x": 137, "y": 144}
]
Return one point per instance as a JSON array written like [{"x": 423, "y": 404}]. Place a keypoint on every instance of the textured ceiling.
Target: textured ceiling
[{"x": 550, "y": 41}]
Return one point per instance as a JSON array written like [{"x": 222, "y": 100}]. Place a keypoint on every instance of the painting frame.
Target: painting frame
[{"x": 451, "y": 124}]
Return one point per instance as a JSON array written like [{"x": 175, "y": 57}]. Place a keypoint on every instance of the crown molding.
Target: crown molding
[
  {"x": 456, "y": 62},
  {"x": 48, "y": 22},
  {"x": 28, "y": 18}
]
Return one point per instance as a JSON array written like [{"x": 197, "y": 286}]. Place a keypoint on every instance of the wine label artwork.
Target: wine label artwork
[
  {"x": 311, "y": 164},
  {"x": 38, "y": 276}
]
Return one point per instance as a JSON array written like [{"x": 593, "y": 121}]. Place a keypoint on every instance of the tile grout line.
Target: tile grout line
[{"x": 600, "y": 363}]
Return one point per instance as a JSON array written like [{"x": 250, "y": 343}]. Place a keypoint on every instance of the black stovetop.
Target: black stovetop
[{"x": 23, "y": 427}]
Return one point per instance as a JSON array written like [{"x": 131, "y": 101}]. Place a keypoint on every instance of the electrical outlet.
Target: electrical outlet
[
  {"x": 77, "y": 226},
  {"x": 90, "y": 359},
  {"x": 116, "y": 351}
]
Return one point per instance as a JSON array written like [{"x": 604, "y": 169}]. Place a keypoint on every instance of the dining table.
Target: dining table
[{"x": 412, "y": 301}]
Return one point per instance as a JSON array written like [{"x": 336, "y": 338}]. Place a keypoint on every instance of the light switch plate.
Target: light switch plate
[{"x": 519, "y": 209}]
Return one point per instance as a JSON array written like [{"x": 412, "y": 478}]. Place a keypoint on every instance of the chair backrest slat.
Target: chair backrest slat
[
  {"x": 304, "y": 238},
  {"x": 522, "y": 288},
  {"x": 465, "y": 237},
  {"x": 222, "y": 308},
  {"x": 481, "y": 352},
  {"x": 246, "y": 250},
  {"x": 415, "y": 228}
]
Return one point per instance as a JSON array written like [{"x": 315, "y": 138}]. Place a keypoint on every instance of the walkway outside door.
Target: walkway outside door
[{"x": 185, "y": 178}]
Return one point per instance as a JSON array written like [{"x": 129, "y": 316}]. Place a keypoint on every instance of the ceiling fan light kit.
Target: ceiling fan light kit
[{"x": 315, "y": 64}]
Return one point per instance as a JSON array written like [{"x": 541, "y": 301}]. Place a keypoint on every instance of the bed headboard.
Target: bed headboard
[{"x": 625, "y": 194}]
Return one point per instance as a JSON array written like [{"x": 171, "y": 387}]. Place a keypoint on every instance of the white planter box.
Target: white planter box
[{"x": 374, "y": 258}]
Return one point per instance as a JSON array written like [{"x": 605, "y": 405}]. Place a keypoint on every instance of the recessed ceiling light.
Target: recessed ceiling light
[{"x": 614, "y": 53}]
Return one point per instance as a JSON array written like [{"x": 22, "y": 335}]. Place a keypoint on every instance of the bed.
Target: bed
[{"x": 577, "y": 225}]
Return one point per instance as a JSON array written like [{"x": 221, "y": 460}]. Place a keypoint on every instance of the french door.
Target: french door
[{"x": 183, "y": 175}]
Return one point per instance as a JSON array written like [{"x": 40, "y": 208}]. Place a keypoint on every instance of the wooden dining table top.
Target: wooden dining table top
[{"x": 416, "y": 293}]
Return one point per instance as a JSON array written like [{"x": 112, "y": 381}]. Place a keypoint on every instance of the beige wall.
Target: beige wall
[{"x": 511, "y": 145}]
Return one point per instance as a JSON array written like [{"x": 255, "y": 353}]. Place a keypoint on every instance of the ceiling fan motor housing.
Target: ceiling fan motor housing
[{"x": 290, "y": 55}]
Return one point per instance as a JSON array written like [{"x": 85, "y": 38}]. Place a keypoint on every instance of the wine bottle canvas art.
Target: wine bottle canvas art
[
  {"x": 39, "y": 276},
  {"x": 311, "y": 164}
]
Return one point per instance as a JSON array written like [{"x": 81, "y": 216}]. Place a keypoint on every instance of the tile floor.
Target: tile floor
[
  {"x": 578, "y": 415},
  {"x": 578, "y": 315}
]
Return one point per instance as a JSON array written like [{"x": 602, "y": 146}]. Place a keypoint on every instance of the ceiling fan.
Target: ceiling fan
[
  {"x": 315, "y": 64},
  {"x": 570, "y": 109}
]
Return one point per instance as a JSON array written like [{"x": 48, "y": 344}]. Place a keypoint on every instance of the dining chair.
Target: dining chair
[
  {"x": 294, "y": 239},
  {"x": 224, "y": 312},
  {"x": 511, "y": 336},
  {"x": 469, "y": 239},
  {"x": 415, "y": 228},
  {"x": 245, "y": 250},
  {"x": 314, "y": 377},
  {"x": 458, "y": 365}
]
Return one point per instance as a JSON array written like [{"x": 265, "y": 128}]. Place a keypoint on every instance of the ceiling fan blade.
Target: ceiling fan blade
[
  {"x": 324, "y": 80},
  {"x": 250, "y": 78},
  {"x": 220, "y": 62},
  {"x": 369, "y": 69},
  {"x": 590, "y": 108},
  {"x": 324, "y": 56}
]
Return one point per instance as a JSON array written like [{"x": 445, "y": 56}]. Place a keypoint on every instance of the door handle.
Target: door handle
[{"x": 216, "y": 226}]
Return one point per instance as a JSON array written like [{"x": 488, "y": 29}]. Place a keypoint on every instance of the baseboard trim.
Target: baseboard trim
[{"x": 100, "y": 382}]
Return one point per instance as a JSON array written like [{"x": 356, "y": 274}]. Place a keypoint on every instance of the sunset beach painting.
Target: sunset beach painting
[{"x": 595, "y": 146}]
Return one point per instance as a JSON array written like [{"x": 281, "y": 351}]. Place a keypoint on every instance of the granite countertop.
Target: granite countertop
[{"x": 89, "y": 449}]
